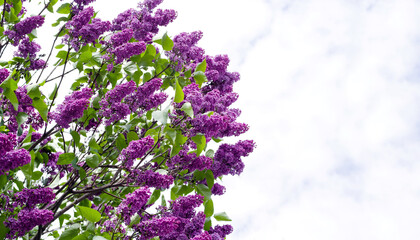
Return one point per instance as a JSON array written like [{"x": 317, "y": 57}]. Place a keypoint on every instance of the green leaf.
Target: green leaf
[
  {"x": 64, "y": 8},
  {"x": 207, "y": 224},
  {"x": 222, "y": 217},
  {"x": 155, "y": 196},
  {"x": 17, "y": 6},
  {"x": 161, "y": 116},
  {"x": 209, "y": 178},
  {"x": 201, "y": 66},
  {"x": 39, "y": 104},
  {"x": 90, "y": 214},
  {"x": 52, "y": 95},
  {"x": 83, "y": 236},
  {"x": 200, "y": 78},
  {"x": 210, "y": 153},
  {"x": 94, "y": 145},
  {"x": 120, "y": 142},
  {"x": 99, "y": 238},
  {"x": 204, "y": 191},
  {"x": 187, "y": 108},
  {"x": 200, "y": 141},
  {"x": 208, "y": 208},
  {"x": 21, "y": 118},
  {"x": 65, "y": 158},
  {"x": 85, "y": 56},
  {"x": 76, "y": 137},
  {"x": 36, "y": 175},
  {"x": 3, "y": 229},
  {"x": 9, "y": 86},
  {"x": 3, "y": 181},
  {"x": 70, "y": 232},
  {"x": 179, "y": 94},
  {"x": 92, "y": 160},
  {"x": 167, "y": 43},
  {"x": 33, "y": 91}
]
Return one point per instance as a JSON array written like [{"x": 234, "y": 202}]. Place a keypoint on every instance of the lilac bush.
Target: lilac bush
[{"x": 133, "y": 149}]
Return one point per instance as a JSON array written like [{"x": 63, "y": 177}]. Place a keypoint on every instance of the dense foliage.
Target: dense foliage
[{"x": 127, "y": 151}]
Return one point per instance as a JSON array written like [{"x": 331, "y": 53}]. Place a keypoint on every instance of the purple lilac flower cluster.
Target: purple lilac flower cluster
[
  {"x": 150, "y": 178},
  {"x": 25, "y": 105},
  {"x": 24, "y": 27},
  {"x": 185, "y": 50},
  {"x": 157, "y": 227},
  {"x": 227, "y": 159},
  {"x": 218, "y": 189},
  {"x": 190, "y": 161},
  {"x": 72, "y": 108},
  {"x": 143, "y": 22},
  {"x": 135, "y": 149},
  {"x": 79, "y": 27},
  {"x": 4, "y": 74},
  {"x": 144, "y": 95},
  {"x": 111, "y": 106},
  {"x": 32, "y": 197},
  {"x": 9, "y": 158},
  {"x": 52, "y": 168},
  {"x": 26, "y": 220},
  {"x": 78, "y": 5},
  {"x": 220, "y": 232},
  {"x": 133, "y": 203}
]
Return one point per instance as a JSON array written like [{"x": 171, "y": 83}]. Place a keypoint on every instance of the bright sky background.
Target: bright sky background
[{"x": 330, "y": 90}]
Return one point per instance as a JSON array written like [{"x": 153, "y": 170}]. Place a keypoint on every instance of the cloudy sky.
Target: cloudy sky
[{"x": 331, "y": 91}]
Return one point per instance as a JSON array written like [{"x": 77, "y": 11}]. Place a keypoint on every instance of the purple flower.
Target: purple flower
[
  {"x": 27, "y": 49},
  {"x": 14, "y": 159},
  {"x": 4, "y": 74},
  {"x": 221, "y": 231},
  {"x": 218, "y": 189},
  {"x": 154, "y": 101},
  {"x": 133, "y": 203},
  {"x": 37, "y": 64},
  {"x": 157, "y": 227},
  {"x": 185, "y": 50},
  {"x": 24, "y": 27},
  {"x": 202, "y": 236},
  {"x": 135, "y": 149},
  {"x": 7, "y": 142},
  {"x": 142, "y": 93},
  {"x": 152, "y": 179},
  {"x": 190, "y": 161},
  {"x": 184, "y": 206},
  {"x": 119, "y": 92},
  {"x": 128, "y": 50},
  {"x": 91, "y": 32},
  {"x": 196, "y": 225},
  {"x": 122, "y": 37},
  {"x": 218, "y": 76},
  {"x": 26, "y": 220},
  {"x": 72, "y": 108},
  {"x": 227, "y": 159},
  {"x": 31, "y": 197}
]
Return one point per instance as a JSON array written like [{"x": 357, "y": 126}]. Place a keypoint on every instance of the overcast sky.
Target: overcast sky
[{"x": 330, "y": 90}]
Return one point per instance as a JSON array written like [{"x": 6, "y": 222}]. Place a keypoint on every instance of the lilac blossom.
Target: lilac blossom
[
  {"x": 122, "y": 37},
  {"x": 218, "y": 189},
  {"x": 221, "y": 231},
  {"x": 127, "y": 50},
  {"x": 202, "y": 236},
  {"x": 190, "y": 161},
  {"x": 24, "y": 27},
  {"x": 26, "y": 220},
  {"x": 142, "y": 93},
  {"x": 135, "y": 149},
  {"x": 227, "y": 159},
  {"x": 4, "y": 74},
  {"x": 150, "y": 178},
  {"x": 184, "y": 206},
  {"x": 7, "y": 143},
  {"x": 31, "y": 197},
  {"x": 27, "y": 48},
  {"x": 185, "y": 50},
  {"x": 195, "y": 226},
  {"x": 72, "y": 108},
  {"x": 218, "y": 76},
  {"x": 133, "y": 203},
  {"x": 160, "y": 227},
  {"x": 13, "y": 159}
]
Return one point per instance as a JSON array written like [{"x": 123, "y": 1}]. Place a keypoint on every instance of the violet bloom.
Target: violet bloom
[
  {"x": 157, "y": 227},
  {"x": 135, "y": 149},
  {"x": 227, "y": 159},
  {"x": 185, "y": 50},
  {"x": 128, "y": 50},
  {"x": 24, "y": 27},
  {"x": 196, "y": 225},
  {"x": 14, "y": 159},
  {"x": 218, "y": 76},
  {"x": 119, "y": 38},
  {"x": 152, "y": 179},
  {"x": 190, "y": 161},
  {"x": 184, "y": 206},
  {"x": 202, "y": 236},
  {"x": 142, "y": 93},
  {"x": 31, "y": 197},
  {"x": 72, "y": 108},
  {"x": 218, "y": 189},
  {"x": 4, "y": 74},
  {"x": 27, "y": 49},
  {"x": 221, "y": 231},
  {"x": 7, "y": 143},
  {"x": 26, "y": 220},
  {"x": 133, "y": 203}
]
